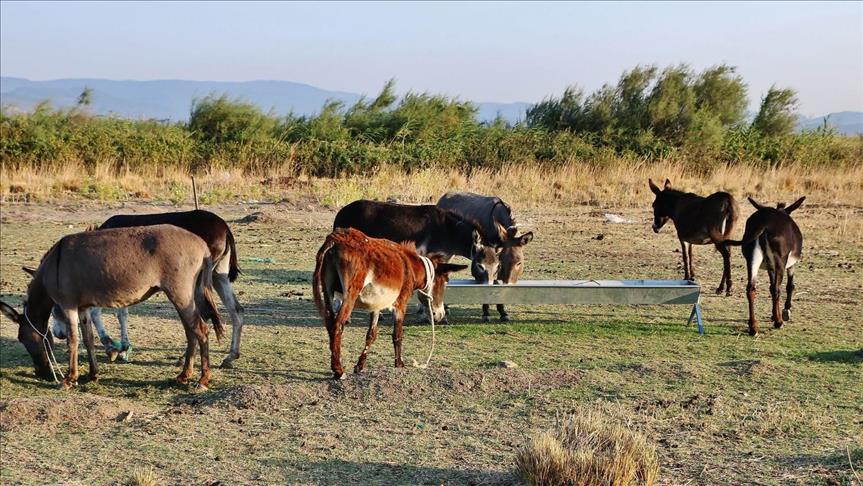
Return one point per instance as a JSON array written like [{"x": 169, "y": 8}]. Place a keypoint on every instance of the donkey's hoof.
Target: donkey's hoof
[
  {"x": 504, "y": 318},
  {"x": 358, "y": 369},
  {"x": 339, "y": 376},
  {"x": 778, "y": 325},
  {"x": 786, "y": 315},
  {"x": 183, "y": 379},
  {"x": 202, "y": 386},
  {"x": 485, "y": 318},
  {"x": 92, "y": 378},
  {"x": 112, "y": 354},
  {"x": 227, "y": 363},
  {"x": 753, "y": 332},
  {"x": 67, "y": 384},
  {"x": 719, "y": 290}
]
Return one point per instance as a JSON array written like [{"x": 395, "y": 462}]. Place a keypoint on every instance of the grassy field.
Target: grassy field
[{"x": 784, "y": 408}]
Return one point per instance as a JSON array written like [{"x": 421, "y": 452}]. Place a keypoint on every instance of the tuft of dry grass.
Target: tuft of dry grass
[
  {"x": 143, "y": 477},
  {"x": 586, "y": 450}
]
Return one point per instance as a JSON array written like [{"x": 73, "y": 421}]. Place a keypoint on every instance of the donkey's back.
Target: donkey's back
[
  {"x": 123, "y": 266},
  {"x": 487, "y": 211}
]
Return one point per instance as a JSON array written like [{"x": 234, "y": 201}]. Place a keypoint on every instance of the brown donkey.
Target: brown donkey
[
  {"x": 118, "y": 268},
  {"x": 773, "y": 240},
  {"x": 699, "y": 220},
  {"x": 373, "y": 274}
]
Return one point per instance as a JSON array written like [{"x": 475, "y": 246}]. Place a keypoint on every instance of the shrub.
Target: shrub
[{"x": 587, "y": 450}]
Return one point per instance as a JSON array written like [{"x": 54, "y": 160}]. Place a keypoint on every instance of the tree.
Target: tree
[
  {"x": 86, "y": 97},
  {"x": 721, "y": 92},
  {"x": 777, "y": 115}
]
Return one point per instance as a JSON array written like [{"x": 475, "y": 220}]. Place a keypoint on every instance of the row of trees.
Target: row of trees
[{"x": 649, "y": 113}]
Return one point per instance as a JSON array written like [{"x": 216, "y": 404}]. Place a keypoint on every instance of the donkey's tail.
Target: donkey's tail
[
  {"x": 729, "y": 212},
  {"x": 318, "y": 279},
  {"x": 755, "y": 227},
  {"x": 204, "y": 298},
  {"x": 234, "y": 267}
]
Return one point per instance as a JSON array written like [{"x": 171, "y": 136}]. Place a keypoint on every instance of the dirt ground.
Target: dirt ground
[{"x": 782, "y": 408}]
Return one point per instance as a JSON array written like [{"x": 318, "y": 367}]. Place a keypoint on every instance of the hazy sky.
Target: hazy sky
[{"x": 478, "y": 51}]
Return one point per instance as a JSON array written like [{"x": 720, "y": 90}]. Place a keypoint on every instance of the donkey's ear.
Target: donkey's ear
[
  {"x": 796, "y": 204},
  {"x": 653, "y": 187},
  {"x": 755, "y": 203},
  {"x": 445, "y": 268},
  {"x": 667, "y": 184},
  {"x": 477, "y": 238},
  {"x": 502, "y": 232},
  {"x": 10, "y": 312},
  {"x": 525, "y": 238},
  {"x": 29, "y": 270}
]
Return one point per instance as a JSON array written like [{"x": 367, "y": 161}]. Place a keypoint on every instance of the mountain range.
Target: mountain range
[{"x": 172, "y": 99}]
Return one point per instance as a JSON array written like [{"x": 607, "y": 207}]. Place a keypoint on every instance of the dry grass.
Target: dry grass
[
  {"x": 618, "y": 183},
  {"x": 143, "y": 477},
  {"x": 587, "y": 450}
]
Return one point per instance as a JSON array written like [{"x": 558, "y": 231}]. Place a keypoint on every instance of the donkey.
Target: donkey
[
  {"x": 223, "y": 250},
  {"x": 499, "y": 230},
  {"x": 373, "y": 274},
  {"x": 699, "y": 220},
  {"x": 118, "y": 268},
  {"x": 774, "y": 240},
  {"x": 431, "y": 229}
]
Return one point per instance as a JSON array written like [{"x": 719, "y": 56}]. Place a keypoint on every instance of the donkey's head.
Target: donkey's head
[
  {"x": 485, "y": 260},
  {"x": 663, "y": 204},
  {"x": 31, "y": 322},
  {"x": 511, "y": 253},
  {"x": 441, "y": 278}
]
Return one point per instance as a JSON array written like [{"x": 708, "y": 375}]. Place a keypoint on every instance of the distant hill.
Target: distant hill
[
  {"x": 845, "y": 122},
  {"x": 172, "y": 99}
]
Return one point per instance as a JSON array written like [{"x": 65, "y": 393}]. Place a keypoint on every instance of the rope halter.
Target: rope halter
[
  {"x": 427, "y": 293},
  {"x": 49, "y": 350}
]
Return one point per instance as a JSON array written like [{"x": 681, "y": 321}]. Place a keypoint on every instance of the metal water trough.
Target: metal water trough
[{"x": 581, "y": 292}]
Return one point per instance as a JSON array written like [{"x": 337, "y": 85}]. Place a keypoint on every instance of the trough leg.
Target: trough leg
[{"x": 371, "y": 336}]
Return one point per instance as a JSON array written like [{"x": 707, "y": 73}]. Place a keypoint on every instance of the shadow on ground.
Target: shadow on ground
[{"x": 344, "y": 472}]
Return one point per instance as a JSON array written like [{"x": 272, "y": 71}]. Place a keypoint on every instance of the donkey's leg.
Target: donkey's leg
[
  {"x": 754, "y": 256},
  {"x": 342, "y": 318},
  {"x": 189, "y": 356},
  {"x": 125, "y": 343},
  {"x": 70, "y": 319},
  {"x": 398, "y": 333},
  {"x": 199, "y": 333},
  {"x": 486, "y": 315},
  {"x": 202, "y": 333},
  {"x": 776, "y": 294},
  {"x": 104, "y": 337},
  {"x": 504, "y": 317},
  {"x": 691, "y": 263},
  {"x": 371, "y": 336},
  {"x": 223, "y": 287},
  {"x": 789, "y": 291},
  {"x": 725, "y": 283},
  {"x": 683, "y": 252},
  {"x": 87, "y": 334}
]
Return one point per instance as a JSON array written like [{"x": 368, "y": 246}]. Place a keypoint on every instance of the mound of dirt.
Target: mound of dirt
[
  {"x": 256, "y": 217},
  {"x": 390, "y": 384},
  {"x": 69, "y": 411}
]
